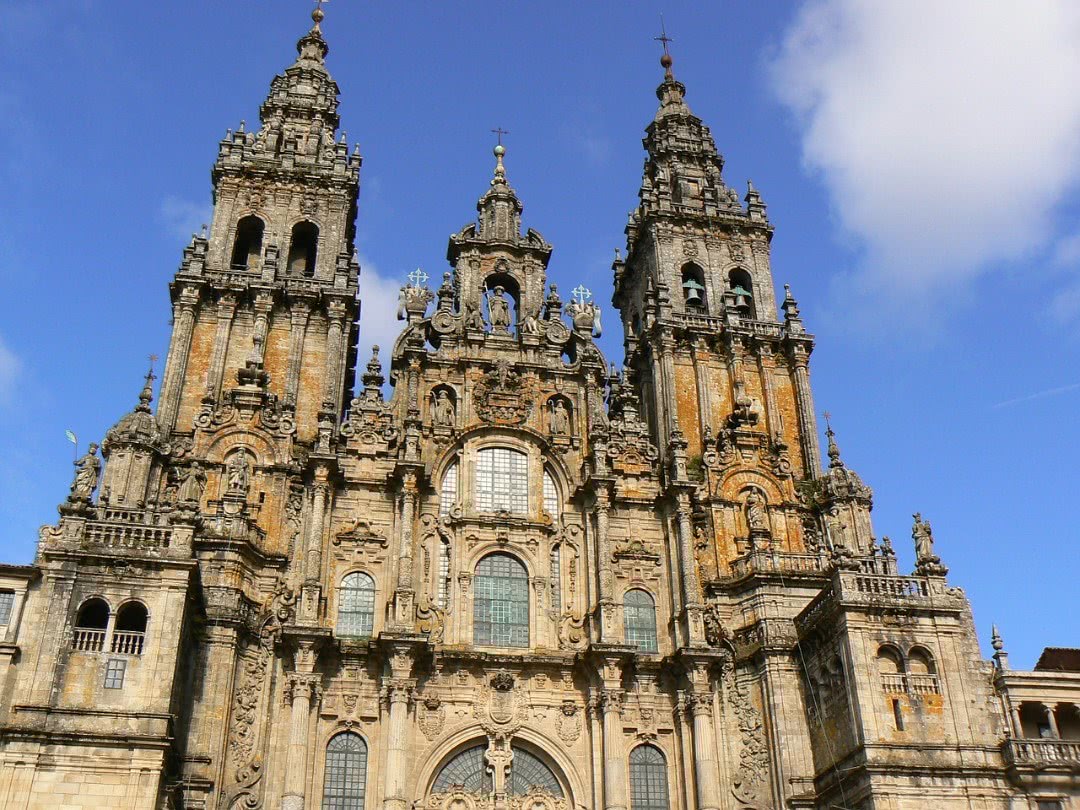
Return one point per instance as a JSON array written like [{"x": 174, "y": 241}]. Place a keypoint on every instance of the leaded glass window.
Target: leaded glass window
[
  {"x": 501, "y": 603},
  {"x": 527, "y": 772},
  {"x": 468, "y": 769},
  {"x": 356, "y": 605},
  {"x": 551, "y": 496},
  {"x": 648, "y": 779},
  {"x": 556, "y": 579},
  {"x": 443, "y": 591},
  {"x": 346, "y": 772},
  {"x": 448, "y": 491},
  {"x": 639, "y": 616},
  {"x": 7, "y": 600},
  {"x": 502, "y": 481}
]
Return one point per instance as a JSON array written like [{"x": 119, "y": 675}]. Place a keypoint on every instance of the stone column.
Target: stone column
[
  {"x": 226, "y": 310},
  {"x": 299, "y": 314},
  {"x": 765, "y": 369},
  {"x": 707, "y": 782},
  {"x": 301, "y": 687},
  {"x": 172, "y": 383},
  {"x": 701, "y": 379},
  {"x": 695, "y": 626},
  {"x": 403, "y": 607},
  {"x": 397, "y": 691},
  {"x": 667, "y": 418},
  {"x": 607, "y": 599},
  {"x": 615, "y": 765},
  {"x": 311, "y": 589},
  {"x": 804, "y": 401},
  {"x": 1052, "y": 720},
  {"x": 335, "y": 314},
  {"x": 264, "y": 304}
]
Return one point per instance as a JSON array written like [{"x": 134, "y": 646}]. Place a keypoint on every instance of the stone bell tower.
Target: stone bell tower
[{"x": 268, "y": 297}]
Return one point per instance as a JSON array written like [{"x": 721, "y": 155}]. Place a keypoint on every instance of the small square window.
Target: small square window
[
  {"x": 7, "y": 600},
  {"x": 114, "y": 673}
]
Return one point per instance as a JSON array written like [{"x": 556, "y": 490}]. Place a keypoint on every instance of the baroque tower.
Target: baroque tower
[{"x": 521, "y": 581}]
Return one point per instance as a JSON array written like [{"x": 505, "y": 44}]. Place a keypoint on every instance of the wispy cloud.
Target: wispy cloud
[
  {"x": 10, "y": 367},
  {"x": 947, "y": 134},
  {"x": 379, "y": 325},
  {"x": 182, "y": 218},
  {"x": 1049, "y": 392}
]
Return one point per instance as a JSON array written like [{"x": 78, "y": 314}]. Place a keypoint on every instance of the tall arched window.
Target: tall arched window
[
  {"x": 303, "y": 249},
  {"x": 469, "y": 771},
  {"x": 130, "y": 628},
  {"x": 502, "y": 481},
  {"x": 448, "y": 490},
  {"x": 247, "y": 248},
  {"x": 501, "y": 604},
  {"x": 346, "y": 772},
  {"x": 648, "y": 779},
  {"x": 91, "y": 625},
  {"x": 740, "y": 283},
  {"x": 551, "y": 497},
  {"x": 639, "y": 618},
  {"x": 356, "y": 605},
  {"x": 693, "y": 287}
]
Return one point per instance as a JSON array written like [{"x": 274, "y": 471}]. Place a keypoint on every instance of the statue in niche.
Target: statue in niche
[
  {"x": 473, "y": 319},
  {"x": 560, "y": 418},
  {"x": 87, "y": 470},
  {"x": 530, "y": 325},
  {"x": 191, "y": 488},
  {"x": 756, "y": 517},
  {"x": 443, "y": 410},
  {"x": 498, "y": 310},
  {"x": 238, "y": 475}
]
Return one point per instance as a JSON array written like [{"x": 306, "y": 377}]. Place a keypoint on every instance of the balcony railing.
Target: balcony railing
[
  {"x": 127, "y": 642},
  {"x": 89, "y": 640},
  {"x": 895, "y": 587},
  {"x": 766, "y": 562},
  {"x": 893, "y": 682},
  {"x": 1042, "y": 752},
  {"x": 910, "y": 683}
]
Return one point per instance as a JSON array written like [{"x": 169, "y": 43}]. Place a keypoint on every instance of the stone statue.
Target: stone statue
[
  {"x": 530, "y": 325},
  {"x": 238, "y": 474},
  {"x": 498, "y": 310},
  {"x": 443, "y": 410},
  {"x": 560, "y": 418},
  {"x": 473, "y": 318},
  {"x": 756, "y": 517},
  {"x": 191, "y": 488},
  {"x": 87, "y": 470},
  {"x": 924, "y": 539}
]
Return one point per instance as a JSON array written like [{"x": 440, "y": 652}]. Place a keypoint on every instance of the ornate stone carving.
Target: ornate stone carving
[
  {"x": 503, "y": 396},
  {"x": 753, "y": 771},
  {"x": 431, "y": 715}
]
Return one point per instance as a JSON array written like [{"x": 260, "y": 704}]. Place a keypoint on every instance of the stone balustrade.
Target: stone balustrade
[
  {"x": 88, "y": 640},
  {"x": 1042, "y": 752},
  {"x": 126, "y": 535},
  {"x": 767, "y": 562},
  {"x": 127, "y": 642}
]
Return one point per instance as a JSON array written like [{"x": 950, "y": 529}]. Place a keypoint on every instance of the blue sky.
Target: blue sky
[{"x": 920, "y": 163}]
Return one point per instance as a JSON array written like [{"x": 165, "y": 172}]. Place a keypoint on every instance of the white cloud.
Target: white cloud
[
  {"x": 378, "y": 314},
  {"x": 945, "y": 133},
  {"x": 182, "y": 218},
  {"x": 10, "y": 366}
]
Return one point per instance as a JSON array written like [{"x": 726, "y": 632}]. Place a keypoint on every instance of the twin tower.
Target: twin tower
[{"x": 526, "y": 579}]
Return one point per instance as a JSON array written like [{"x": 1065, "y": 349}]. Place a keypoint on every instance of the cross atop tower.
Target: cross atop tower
[
  {"x": 581, "y": 294},
  {"x": 417, "y": 278},
  {"x": 499, "y": 132},
  {"x": 664, "y": 39}
]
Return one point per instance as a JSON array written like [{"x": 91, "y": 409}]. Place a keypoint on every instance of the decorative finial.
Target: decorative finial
[
  {"x": 581, "y": 294},
  {"x": 995, "y": 639},
  {"x": 417, "y": 279},
  {"x": 317, "y": 14},
  {"x": 499, "y": 151},
  {"x": 1001, "y": 658},
  {"x": 665, "y": 61},
  {"x": 834, "y": 451},
  {"x": 147, "y": 393}
]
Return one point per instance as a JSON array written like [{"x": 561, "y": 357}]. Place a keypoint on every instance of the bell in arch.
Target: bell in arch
[
  {"x": 743, "y": 297},
  {"x": 692, "y": 292}
]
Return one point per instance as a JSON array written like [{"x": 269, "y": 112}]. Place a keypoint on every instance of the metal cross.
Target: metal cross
[
  {"x": 153, "y": 359},
  {"x": 581, "y": 294},
  {"x": 499, "y": 132},
  {"x": 828, "y": 423},
  {"x": 664, "y": 38},
  {"x": 318, "y": 4},
  {"x": 418, "y": 278}
]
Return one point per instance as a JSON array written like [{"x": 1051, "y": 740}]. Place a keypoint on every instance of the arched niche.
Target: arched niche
[
  {"x": 247, "y": 243},
  {"x": 502, "y": 283}
]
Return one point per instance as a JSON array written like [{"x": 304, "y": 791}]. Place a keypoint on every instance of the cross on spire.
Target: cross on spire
[
  {"x": 499, "y": 132},
  {"x": 417, "y": 278},
  {"x": 581, "y": 294},
  {"x": 664, "y": 38}
]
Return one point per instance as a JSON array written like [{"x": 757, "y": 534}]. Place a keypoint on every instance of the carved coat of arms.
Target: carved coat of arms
[{"x": 503, "y": 396}]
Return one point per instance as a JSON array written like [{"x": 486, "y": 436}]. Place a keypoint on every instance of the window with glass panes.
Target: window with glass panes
[
  {"x": 7, "y": 601},
  {"x": 556, "y": 579},
  {"x": 551, "y": 497},
  {"x": 470, "y": 771},
  {"x": 448, "y": 491},
  {"x": 502, "y": 481},
  {"x": 114, "y": 673},
  {"x": 356, "y": 605},
  {"x": 501, "y": 602},
  {"x": 639, "y": 616},
  {"x": 648, "y": 779},
  {"x": 346, "y": 772}
]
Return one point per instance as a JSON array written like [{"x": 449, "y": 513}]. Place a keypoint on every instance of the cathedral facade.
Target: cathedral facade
[{"x": 525, "y": 579}]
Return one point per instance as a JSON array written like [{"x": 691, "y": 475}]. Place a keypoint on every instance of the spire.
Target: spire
[
  {"x": 146, "y": 396},
  {"x": 499, "y": 208},
  {"x": 834, "y": 451},
  {"x": 312, "y": 46},
  {"x": 670, "y": 92}
]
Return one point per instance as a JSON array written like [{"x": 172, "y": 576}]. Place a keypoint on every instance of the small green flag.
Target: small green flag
[{"x": 71, "y": 437}]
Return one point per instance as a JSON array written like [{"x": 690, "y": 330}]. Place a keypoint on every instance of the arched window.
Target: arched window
[
  {"x": 356, "y": 605},
  {"x": 91, "y": 624},
  {"x": 346, "y": 772},
  {"x": 303, "y": 249},
  {"x": 448, "y": 490},
  {"x": 693, "y": 287},
  {"x": 130, "y": 629},
  {"x": 639, "y": 617},
  {"x": 247, "y": 248},
  {"x": 648, "y": 779},
  {"x": 742, "y": 286},
  {"x": 551, "y": 497},
  {"x": 502, "y": 481},
  {"x": 922, "y": 674},
  {"x": 501, "y": 604},
  {"x": 469, "y": 771}
]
